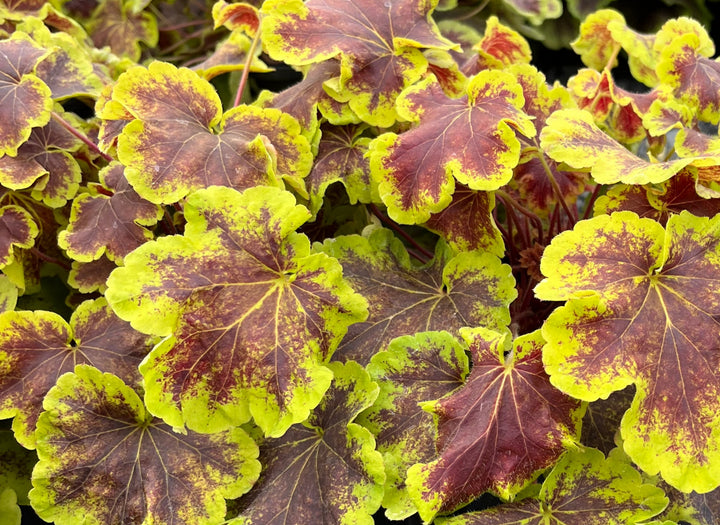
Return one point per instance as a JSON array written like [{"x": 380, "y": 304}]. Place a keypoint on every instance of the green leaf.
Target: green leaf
[
  {"x": 8, "y": 294},
  {"x": 583, "y": 487},
  {"x": 325, "y": 471},
  {"x": 9, "y": 510},
  {"x": 17, "y": 465},
  {"x": 469, "y": 139},
  {"x": 450, "y": 292},
  {"x": 412, "y": 370},
  {"x": 38, "y": 347},
  {"x": 499, "y": 430},
  {"x": 250, "y": 313},
  {"x": 104, "y": 460},
  {"x": 26, "y": 99},
  {"x": 378, "y": 46},
  {"x": 641, "y": 309}
]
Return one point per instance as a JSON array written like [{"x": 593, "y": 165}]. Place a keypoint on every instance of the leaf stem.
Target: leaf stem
[
  {"x": 52, "y": 260},
  {"x": 508, "y": 201},
  {"x": 89, "y": 143},
  {"x": 427, "y": 255},
  {"x": 556, "y": 188},
  {"x": 246, "y": 69}
]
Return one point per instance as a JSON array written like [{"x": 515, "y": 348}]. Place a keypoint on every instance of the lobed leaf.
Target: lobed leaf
[
  {"x": 414, "y": 369},
  {"x": 642, "y": 309},
  {"x": 27, "y": 101},
  {"x": 470, "y": 139},
  {"x": 108, "y": 224},
  {"x": 499, "y": 430},
  {"x": 572, "y": 137},
  {"x": 105, "y": 461},
  {"x": 17, "y": 230},
  {"x": 583, "y": 487},
  {"x": 325, "y": 471},
  {"x": 452, "y": 291},
  {"x": 180, "y": 140},
  {"x": 378, "y": 45},
  {"x": 248, "y": 313},
  {"x": 36, "y": 348}
]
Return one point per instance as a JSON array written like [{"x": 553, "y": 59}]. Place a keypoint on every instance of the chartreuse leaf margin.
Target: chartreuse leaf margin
[
  {"x": 642, "y": 306},
  {"x": 248, "y": 313}
]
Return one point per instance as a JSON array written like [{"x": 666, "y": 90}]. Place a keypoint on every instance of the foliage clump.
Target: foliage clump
[{"x": 412, "y": 276}]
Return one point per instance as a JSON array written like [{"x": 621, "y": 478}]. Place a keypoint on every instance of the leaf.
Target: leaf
[
  {"x": 230, "y": 55},
  {"x": 341, "y": 157},
  {"x": 180, "y": 140},
  {"x": 108, "y": 220},
  {"x": 572, "y": 137},
  {"x": 27, "y": 101},
  {"x": 236, "y": 16},
  {"x": 113, "y": 24},
  {"x": 660, "y": 201},
  {"x": 326, "y": 471},
  {"x": 412, "y": 370},
  {"x": 690, "y": 76},
  {"x": 248, "y": 313},
  {"x": 17, "y": 465},
  {"x": 470, "y": 139},
  {"x": 45, "y": 163},
  {"x": 8, "y": 294},
  {"x": 595, "y": 43},
  {"x": 642, "y": 309},
  {"x": 10, "y": 513},
  {"x": 105, "y": 460},
  {"x": 497, "y": 431},
  {"x": 90, "y": 277},
  {"x": 467, "y": 223},
  {"x": 17, "y": 230},
  {"x": 499, "y": 47},
  {"x": 583, "y": 487},
  {"x": 378, "y": 45},
  {"x": 452, "y": 291},
  {"x": 601, "y": 423},
  {"x": 692, "y": 508},
  {"x": 536, "y": 11},
  {"x": 38, "y": 347}
]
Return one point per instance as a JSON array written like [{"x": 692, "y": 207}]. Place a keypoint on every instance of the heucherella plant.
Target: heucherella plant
[{"x": 412, "y": 281}]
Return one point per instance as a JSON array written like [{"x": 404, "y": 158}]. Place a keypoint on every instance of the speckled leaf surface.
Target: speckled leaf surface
[
  {"x": 379, "y": 45},
  {"x": 26, "y": 99},
  {"x": 642, "y": 309},
  {"x": 471, "y": 139},
  {"x": 115, "y": 25},
  {"x": 413, "y": 369},
  {"x": 249, "y": 315},
  {"x": 452, "y": 291},
  {"x": 499, "y": 430},
  {"x": 571, "y": 136},
  {"x": 109, "y": 219},
  {"x": 38, "y": 347},
  {"x": 325, "y": 471},
  {"x": 17, "y": 229},
  {"x": 180, "y": 140},
  {"x": 583, "y": 487},
  {"x": 105, "y": 461}
]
